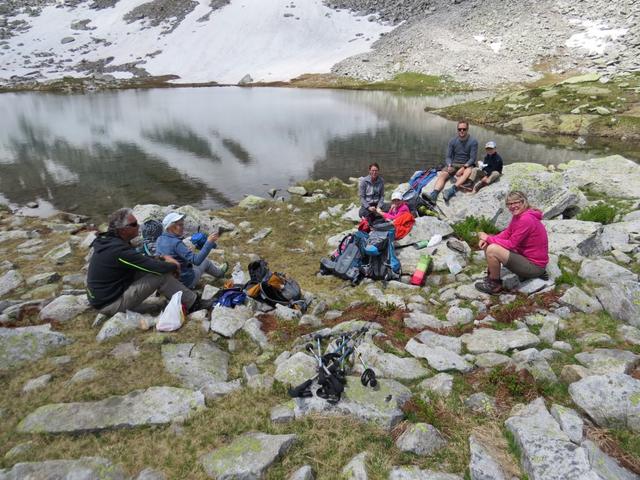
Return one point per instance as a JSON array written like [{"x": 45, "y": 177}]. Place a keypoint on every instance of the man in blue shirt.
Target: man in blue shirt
[{"x": 462, "y": 151}]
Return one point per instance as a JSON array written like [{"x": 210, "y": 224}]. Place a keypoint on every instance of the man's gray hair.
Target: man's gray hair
[{"x": 118, "y": 219}]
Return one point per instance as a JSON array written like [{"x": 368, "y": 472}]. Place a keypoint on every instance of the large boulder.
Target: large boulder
[
  {"x": 576, "y": 298},
  {"x": 27, "y": 344},
  {"x": 612, "y": 401},
  {"x": 573, "y": 238},
  {"x": 425, "y": 228},
  {"x": 546, "y": 190},
  {"x": 622, "y": 301},
  {"x": 154, "y": 406},
  {"x": 197, "y": 220},
  {"x": 247, "y": 457},
  {"x": 421, "y": 439},
  {"x": 619, "y": 235},
  {"x": 64, "y": 308},
  {"x": 614, "y": 176},
  {"x": 84, "y": 468}
]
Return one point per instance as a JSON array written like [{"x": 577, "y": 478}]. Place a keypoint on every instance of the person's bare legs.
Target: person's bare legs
[
  {"x": 462, "y": 175},
  {"x": 443, "y": 176},
  {"x": 496, "y": 256}
]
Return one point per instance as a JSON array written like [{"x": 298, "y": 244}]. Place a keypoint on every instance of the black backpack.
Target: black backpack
[{"x": 273, "y": 288}]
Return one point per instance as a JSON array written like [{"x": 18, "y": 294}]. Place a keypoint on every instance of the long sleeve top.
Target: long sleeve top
[
  {"x": 462, "y": 151},
  {"x": 527, "y": 236},
  {"x": 371, "y": 193}
]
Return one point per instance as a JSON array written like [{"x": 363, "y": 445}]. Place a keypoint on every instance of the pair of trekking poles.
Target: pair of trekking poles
[{"x": 332, "y": 368}]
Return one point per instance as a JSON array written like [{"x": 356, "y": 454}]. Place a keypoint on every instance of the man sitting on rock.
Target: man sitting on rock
[
  {"x": 120, "y": 278},
  {"x": 461, "y": 159}
]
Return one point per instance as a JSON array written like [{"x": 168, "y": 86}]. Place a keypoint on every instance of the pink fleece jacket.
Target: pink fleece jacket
[
  {"x": 393, "y": 213},
  {"x": 527, "y": 236}
]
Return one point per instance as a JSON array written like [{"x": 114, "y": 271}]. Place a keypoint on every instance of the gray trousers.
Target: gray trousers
[
  {"x": 143, "y": 286},
  {"x": 207, "y": 266}
]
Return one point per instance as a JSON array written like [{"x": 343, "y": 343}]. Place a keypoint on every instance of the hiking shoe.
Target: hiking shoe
[
  {"x": 449, "y": 193},
  {"x": 490, "y": 286},
  {"x": 544, "y": 276},
  {"x": 201, "y": 304},
  {"x": 479, "y": 186},
  {"x": 433, "y": 196},
  {"x": 223, "y": 269}
]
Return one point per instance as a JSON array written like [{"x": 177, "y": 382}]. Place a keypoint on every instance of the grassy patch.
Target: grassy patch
[
  {"x": 569, "y": 273},
  {"x": 468, "y": 229},
  {"x": 409, "y": 82},
  {"x": 601, "y": 213}
]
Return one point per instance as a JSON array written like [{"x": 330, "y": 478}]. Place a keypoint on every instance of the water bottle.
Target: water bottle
[
  {"x": 238, "y": 275},
  {"x": 421, "y": 244},
  {"x": 421, "y": 270}
]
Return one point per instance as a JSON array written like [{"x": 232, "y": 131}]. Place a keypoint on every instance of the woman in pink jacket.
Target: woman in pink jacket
[{"x": 523, "y": 247}]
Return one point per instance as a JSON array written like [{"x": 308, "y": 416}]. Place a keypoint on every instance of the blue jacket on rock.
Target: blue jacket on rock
[{"x": 172, "y": 245}]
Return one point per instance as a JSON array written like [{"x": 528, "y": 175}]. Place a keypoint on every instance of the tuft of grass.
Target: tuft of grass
[
  {"x": 601, "y": 213},
  {"x": 568, "y": 275},
  {"x": 468, "y": 229}
]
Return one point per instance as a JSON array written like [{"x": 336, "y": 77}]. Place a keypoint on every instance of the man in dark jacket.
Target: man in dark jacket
[{"x": 120, "y": 278}]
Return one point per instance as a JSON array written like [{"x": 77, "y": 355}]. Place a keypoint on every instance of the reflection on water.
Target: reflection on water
[{"x": 210, "y": 146}]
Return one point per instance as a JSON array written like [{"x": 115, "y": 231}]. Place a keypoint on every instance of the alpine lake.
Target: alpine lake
[{"x": 209, "y": 147}]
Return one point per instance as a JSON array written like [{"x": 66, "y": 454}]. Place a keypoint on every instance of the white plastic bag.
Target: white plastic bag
[
  {"x": 434, "y": 240},
  {"x": 172, "y": 316},
  {"x": 453, "y": 265},
  {"x": 238, "y": 275}
]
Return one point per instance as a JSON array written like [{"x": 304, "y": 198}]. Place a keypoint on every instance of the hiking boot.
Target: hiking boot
[
  {"x": 479, "y": 186},
  {"x": 490, "y": 286},
  {"x": 201, "y": 304},
  {"x": 223, "y": 269},
  {"x": 449, "y": 193},
  {"x": 544, "y": 276},
  {"x": 433, "y": 196}
]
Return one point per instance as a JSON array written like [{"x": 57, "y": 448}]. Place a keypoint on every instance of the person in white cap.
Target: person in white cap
[
  {"x": 398, "y": 207},
  {"x": 491, "y": 168},
  {"x": 192, "y": 265}
]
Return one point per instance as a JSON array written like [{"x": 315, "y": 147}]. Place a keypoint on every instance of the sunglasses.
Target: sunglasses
[
  {"x": 514, "y": 204},
  {"x": 462, "y": 129},
  {"x": 132, "y": 225}
]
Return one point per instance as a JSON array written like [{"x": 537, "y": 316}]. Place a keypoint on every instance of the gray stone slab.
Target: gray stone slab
[
  {"x": 604, "y": 272},
  {"x": 432, "y": 339},
  {"x": 577, "y": 299},
  {"x": 196, "y": 365},
  {"x": 9, "y": 281},
  {"x": 421, "y": 439},
  {"x": 85, "y": 468},
  {"x": 602, "y": 361},
  {"x": 388, "y": 365},
  {"x": 246, "y": 457},
  {"x": 482, "y": 466},
  {"x": 605, "y": 466},
  {"x": 439, "y": 358},
  {"x": 380, "y": 405},
  {"x": 622, "y": 301},
  {"x": 153, "y": 406},
  {"x": 227, "y": 321},
  {"x": 612, "y": 400},
  {"x": 27, "y": 344},
  {"x": 296, "y": 369},
  {"x": 124, "y": 322},
  {"x": 487, "y": 340},
  {"x": 547, "y": 452},
  {"x": 415, "y": 473},
  {"x": 569, "y": 421},
  {"x": 356, "y": 469}
]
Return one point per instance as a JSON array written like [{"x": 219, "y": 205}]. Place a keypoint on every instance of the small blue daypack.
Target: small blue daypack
[{"x": 230, "y": 297}]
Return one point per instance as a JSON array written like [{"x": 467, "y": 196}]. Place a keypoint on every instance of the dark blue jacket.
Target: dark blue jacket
[
  {"x": 172, "y": 245},
  {"x": 492, "y": 163}
]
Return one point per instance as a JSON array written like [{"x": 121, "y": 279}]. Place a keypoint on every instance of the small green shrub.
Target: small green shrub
[
  {"x": 468, "y": 229},
  {"x": 601, "y": 213}
]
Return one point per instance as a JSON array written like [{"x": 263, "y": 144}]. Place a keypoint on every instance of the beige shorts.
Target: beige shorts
[{"x": 478, "y": 173}]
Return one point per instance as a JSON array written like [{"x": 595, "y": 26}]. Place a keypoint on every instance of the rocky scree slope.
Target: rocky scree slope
[{"x": 484, "y": 43}]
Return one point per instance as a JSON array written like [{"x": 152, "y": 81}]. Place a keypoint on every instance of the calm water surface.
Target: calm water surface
[{"x": 210, "y": 146}]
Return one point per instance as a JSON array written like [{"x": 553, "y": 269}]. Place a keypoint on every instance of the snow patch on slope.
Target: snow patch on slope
[{"x": 246, "y": 36}]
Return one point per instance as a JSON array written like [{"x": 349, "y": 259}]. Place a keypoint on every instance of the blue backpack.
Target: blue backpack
[
  {"x": 421, "y": 178},
  {"x": 230, "y": 297}
]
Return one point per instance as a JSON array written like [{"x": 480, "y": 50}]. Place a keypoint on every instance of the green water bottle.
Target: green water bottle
[{"x": 421, "y": 244}]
